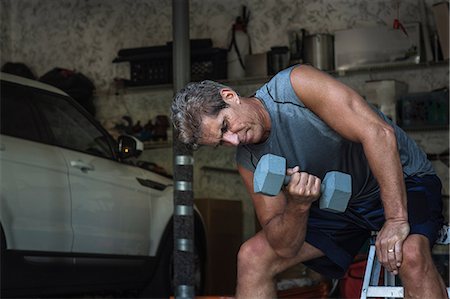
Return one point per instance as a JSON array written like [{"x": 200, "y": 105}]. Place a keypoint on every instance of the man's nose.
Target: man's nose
[{"x": 230, "y": 138}]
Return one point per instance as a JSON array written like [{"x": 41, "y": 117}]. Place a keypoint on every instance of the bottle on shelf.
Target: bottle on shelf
[{"x": 239, "y": 46}]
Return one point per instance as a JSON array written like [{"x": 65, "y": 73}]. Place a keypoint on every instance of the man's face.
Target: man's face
[{"x": 239, "y": 123}]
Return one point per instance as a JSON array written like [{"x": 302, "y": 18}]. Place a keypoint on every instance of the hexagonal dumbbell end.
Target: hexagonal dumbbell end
[
  {"x": 336, "y": 191},
  {"x": 269, "y": 175}
]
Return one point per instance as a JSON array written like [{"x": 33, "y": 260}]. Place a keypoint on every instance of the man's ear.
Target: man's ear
[{"x": 229, "y": 96}]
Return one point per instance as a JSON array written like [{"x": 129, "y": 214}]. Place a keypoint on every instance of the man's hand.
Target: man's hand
[
  {"x": 389, "y": 243},
  {"x": 303, "y": 188}
]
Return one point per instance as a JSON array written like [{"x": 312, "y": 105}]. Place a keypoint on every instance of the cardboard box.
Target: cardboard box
[
  {"x": 256, "y": 65},
  {"x": 224, "y": 225},
  {"x": 384, "y": 95},
  {"x": 377, "y": 46}
]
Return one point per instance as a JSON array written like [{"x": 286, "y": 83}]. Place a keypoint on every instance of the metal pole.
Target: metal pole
[{"x": 183, "y": 163}]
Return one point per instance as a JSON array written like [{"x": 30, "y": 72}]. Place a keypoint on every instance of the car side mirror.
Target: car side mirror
[{"x": 129, "y": 146}]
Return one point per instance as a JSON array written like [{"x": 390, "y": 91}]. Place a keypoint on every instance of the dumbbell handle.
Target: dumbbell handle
[
  {"x": 339, "y": 184},
  {"x": 287, "y": 179}
]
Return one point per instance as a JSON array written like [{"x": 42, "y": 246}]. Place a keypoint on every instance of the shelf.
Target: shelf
[
  {"x": 337, "y": 73},
  {"x": 157, "y": 144},
  {"x": 386, "y": 67},
  {"x": 426, "y": 128},
  {"x": 145, "y": 88},
  {"x": 230, "y": 82},
  {"x": 246, "y": 80}
]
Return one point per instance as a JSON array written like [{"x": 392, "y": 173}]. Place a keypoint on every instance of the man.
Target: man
[{"x": 318, "y": 124}]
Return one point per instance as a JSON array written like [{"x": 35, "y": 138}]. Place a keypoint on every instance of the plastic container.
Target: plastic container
[{"x": 241, "y": 43}]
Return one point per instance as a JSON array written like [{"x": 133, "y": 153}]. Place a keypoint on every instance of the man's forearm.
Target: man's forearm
[
  {"x": 382, "y": 155},
  {"x": 286, "y": 231}
]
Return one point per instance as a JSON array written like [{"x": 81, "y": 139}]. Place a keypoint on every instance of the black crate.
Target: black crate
[
  {"x": 209, "y": 64},
  {"x": 155, "y": 65},
  {"x": 148, "y": 66},
  {"x": 148, "y": 72}
]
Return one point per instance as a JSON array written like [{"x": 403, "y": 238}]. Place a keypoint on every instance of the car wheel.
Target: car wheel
[{"x": 161, "y": 285}]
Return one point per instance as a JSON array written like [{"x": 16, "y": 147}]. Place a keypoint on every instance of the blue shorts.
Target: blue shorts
[{"x": 341, "y": 235}]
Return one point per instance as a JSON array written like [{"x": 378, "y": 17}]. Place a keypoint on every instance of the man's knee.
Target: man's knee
[
  {"x": 254, "y": 253},
  {"x": 416, "y": 257}
]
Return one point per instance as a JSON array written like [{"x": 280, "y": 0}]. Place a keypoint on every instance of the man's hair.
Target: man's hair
[{"x": 190, "y": 104}]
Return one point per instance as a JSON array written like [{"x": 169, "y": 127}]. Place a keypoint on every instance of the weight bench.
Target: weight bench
[{"x": 370, "y": 287}]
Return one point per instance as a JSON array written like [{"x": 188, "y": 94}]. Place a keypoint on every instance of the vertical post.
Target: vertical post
[{"x": 183, "y": 163}]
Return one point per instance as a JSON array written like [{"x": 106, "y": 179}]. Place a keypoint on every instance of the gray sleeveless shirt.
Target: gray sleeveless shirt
[{"x": 305, "y": 140}]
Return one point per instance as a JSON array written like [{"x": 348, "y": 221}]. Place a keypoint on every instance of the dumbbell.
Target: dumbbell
[{"x": 270, "y": 176}]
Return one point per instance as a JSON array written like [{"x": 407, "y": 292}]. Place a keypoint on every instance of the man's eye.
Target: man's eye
[{"x": 224, "y": 128}]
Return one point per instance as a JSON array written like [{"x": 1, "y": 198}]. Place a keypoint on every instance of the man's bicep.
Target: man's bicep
[{"x": 266, "y": 207}]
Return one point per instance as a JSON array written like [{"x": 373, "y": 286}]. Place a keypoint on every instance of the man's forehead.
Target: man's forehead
[{"x": 210, "y": 120}]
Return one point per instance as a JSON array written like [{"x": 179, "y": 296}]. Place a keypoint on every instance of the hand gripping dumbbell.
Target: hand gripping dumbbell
[{"x": 270, "y": 176}]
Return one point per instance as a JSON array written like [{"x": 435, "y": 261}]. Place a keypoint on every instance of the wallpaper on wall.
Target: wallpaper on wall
[
  {"x": 86, "y": 35},
  {"x": 5, "y": 31}
]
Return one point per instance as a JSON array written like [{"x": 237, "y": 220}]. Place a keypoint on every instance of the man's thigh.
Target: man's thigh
[{"x": 307, "y": 252}]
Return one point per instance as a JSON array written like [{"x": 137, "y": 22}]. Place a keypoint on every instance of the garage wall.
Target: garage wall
[
  {"x": 86, "y": 35},
  {"x": 5, "y": 30}
]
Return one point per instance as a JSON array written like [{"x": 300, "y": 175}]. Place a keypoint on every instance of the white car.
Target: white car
[{"x": 73, "y": 215}]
